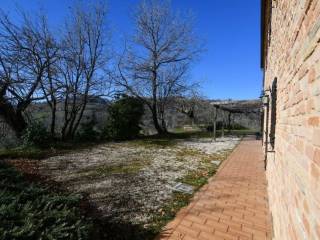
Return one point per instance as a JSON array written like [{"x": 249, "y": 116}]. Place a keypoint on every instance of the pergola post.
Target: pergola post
[
  {"x": 223, "y": 123},
  {"x": 214, "y": 123}
]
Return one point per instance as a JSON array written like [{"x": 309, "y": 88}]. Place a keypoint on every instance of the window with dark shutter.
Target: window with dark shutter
[{"x": 273, "y": 112}]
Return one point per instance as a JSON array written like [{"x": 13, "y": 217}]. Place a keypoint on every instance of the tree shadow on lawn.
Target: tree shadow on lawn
[
  {"x": 115, "y": 229},
  {"x": 112, "y": 228},
  {"x": 108, "y": 229}
]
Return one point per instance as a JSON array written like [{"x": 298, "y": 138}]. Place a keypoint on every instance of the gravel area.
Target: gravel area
[{"x": 129, "y": 181}]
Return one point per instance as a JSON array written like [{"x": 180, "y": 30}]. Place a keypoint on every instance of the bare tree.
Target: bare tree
[
  {"x": 155, "y": 64},
  {"x": 67, "y": 67},
  {"x": 50, "y": 83},
  {"x": 23, "y": 61},
  {"x": 84, "y": 57}
]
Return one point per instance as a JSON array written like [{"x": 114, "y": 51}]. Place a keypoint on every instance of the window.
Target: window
[{"x": 273, "y": 114}]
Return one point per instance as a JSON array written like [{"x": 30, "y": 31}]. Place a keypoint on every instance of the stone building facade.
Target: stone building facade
[{"x": 291, "y": 97}]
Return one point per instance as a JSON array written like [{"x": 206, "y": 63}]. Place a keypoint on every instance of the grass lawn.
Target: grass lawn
[
  {"x": 33, "y": 152},
  {"x": 58, "y": 148},
  {"x": 31, "y": 211},
  {"x": 129, "y": 185}
]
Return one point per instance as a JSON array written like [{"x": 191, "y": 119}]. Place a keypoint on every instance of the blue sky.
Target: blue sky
[{"x": 230, "y": 66}]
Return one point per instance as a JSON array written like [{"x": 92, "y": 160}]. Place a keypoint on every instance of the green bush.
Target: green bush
[
  {"x": 124, "y": 118},
  {"x": 36, "y": 134},
  {"x": 28, "y": 211},
  {"x": 88, "y": 132}
]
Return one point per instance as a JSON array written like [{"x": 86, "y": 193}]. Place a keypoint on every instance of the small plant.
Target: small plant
[
  {"x": 29, "y": 211},
  {"x": 124, "y": 119},
  {"x": 36, "y": 134}
]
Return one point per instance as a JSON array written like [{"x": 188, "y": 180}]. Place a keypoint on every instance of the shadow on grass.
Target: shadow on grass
[
  {"x": 34, "y": 152},
  {"x": 108, "y": 229},
  {"x": 93, "y": 226}
]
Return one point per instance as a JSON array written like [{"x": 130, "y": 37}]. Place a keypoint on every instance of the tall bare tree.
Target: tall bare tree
[
  {"x": 155, "y": 64},
  {"x": 23, "y": 62},
  {"x": 67, "y": 67},
  {"x": 50, "y": 83},
  {"x": 84, "y": 58}
]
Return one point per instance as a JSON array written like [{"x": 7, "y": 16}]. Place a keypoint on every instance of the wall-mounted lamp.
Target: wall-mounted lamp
[
  {"x": 265, "y": 97},
  {"x": 265, "y": 100},
  {"x": 275, "y": 3}
]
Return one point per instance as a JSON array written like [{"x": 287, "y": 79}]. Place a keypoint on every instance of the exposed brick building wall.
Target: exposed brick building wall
[{"x": 291, "y": 53}]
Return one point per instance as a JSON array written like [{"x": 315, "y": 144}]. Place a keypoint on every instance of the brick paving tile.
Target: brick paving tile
[{"x": 233, "y": 205}]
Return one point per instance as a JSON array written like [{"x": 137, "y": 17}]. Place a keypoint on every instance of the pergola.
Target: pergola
[{"x": 230, "y": 109}]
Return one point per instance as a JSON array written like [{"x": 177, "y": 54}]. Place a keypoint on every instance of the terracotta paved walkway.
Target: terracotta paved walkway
[{"x": 233, "y": 205}]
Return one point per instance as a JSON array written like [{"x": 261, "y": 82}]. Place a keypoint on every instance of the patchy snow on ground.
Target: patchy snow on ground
[{"x": 129, "y": 181}]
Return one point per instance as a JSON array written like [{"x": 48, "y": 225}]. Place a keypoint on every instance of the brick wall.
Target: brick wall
[{"x": 293, "y": 169}]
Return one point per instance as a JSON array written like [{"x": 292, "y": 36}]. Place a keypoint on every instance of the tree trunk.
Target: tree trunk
[
  {"x": 156, "y": 122},
  {"x": 14, "y": 118},
  {"x": 192, "y": 122},
  {"x": 63, "y": 131},
  {"x": 164, "y": 125},
  {"x": 192, "y": 117},
  {"x": 66, "y": 114},
  {"x": 76, "y": 126},
  {"x": 71, "y": 123},
  {"x": 84, "y": 105},
  {"x": 53, "y": 118},
  {"x": 154, "y": 106}
]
